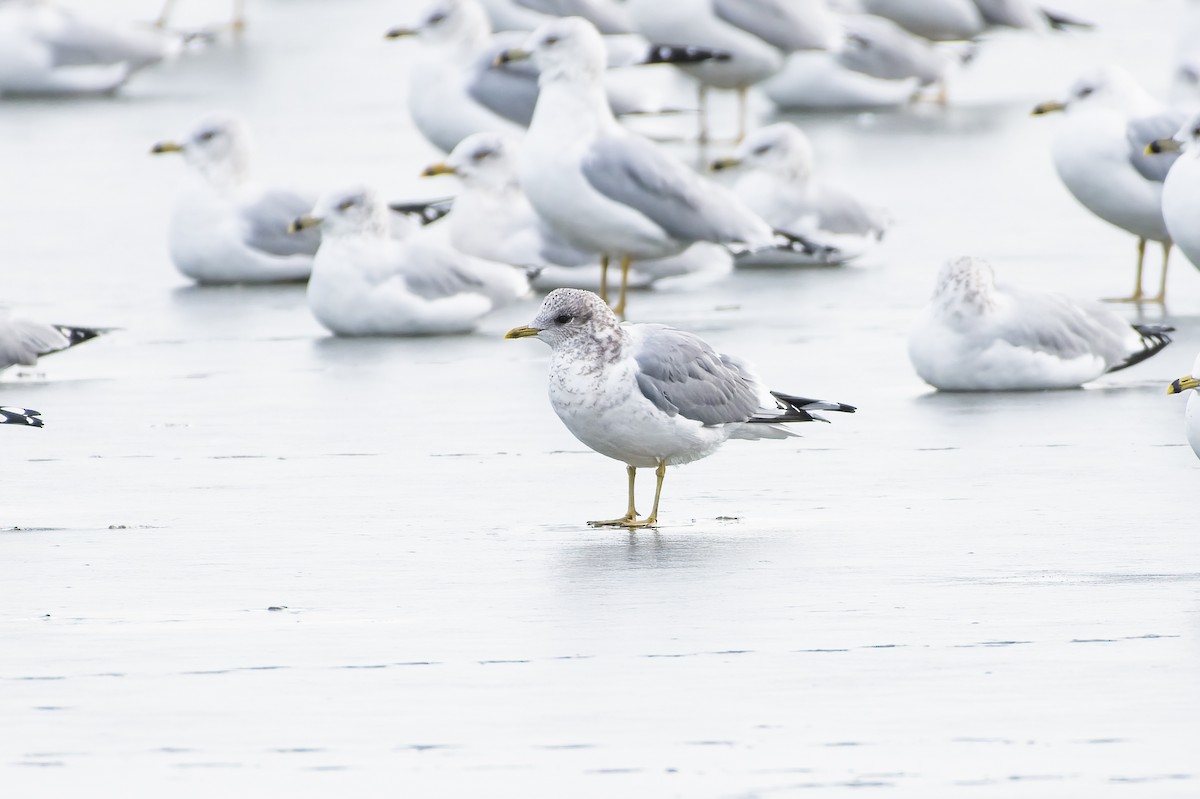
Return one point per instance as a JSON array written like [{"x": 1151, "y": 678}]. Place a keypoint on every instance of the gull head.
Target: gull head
[
  {"x": 356, "y": 211},
  {"x": 1188, "y": 381},
  {"x": 563, "y": 49},
  {"x": 486, "y": 160},
  {"x": 965, "y": 286},
  {"x": 571, "y": 317},
  {"x": 1186, "y": 138},
  {"x": 218, "y": 146},
  {"x": 781, "y": 148},
  {"x": 1108, "y": 86},
  {"x": 448, "y": 22}
]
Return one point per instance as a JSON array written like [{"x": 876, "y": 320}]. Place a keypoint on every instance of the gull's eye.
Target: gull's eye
[
  {"x": 562, "y": 319},
  {"x": 550, "y": 41},
  {"x": 207, "y": 135},
  {"x": 436, "y": 18},
  {"x": 482, "y": 154},
  {"x": 762, "y": 150},
  {"x": 345, "y": 205},
  {"x": 1085, "y": 91},
  {"x": 1196, "y": 131}
]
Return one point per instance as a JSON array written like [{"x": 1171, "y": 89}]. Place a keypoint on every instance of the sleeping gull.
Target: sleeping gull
[
  {"x": 1099, "y": 155},
  {"x": 493, "y": 219},
  {"x": 977, "y": 336},
  {"x": 47, "y": 49},
  {"x": 610, "y": 191},
  {"x": 227, "y": 228},
  {"x": 22, "y": 416},
  {"x": 758, "y": 35},
  {"x": 365, "y": 283},
  {"x": 775, "y": 179},
  {"x": 652, "y": 396},
  {"x": 1191, "y": 419},
  {"x": 457, "y": 87},
  {"x": 1181, "y": 189},
  {"x": 22, "y": 341}
]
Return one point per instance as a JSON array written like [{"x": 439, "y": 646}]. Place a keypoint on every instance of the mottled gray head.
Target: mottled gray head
[
  {"x": 965, "y": 284},
  {"x": 564, "y": 49},
  {"x": 485, "y": 159},
  {"x": 218, "y": 146},
  {"x": 570, "y": 316},
  {"x": 1108, "y": 86},
  {"x": 448, "y": 22},
  {"x": 349, "y": 212}
]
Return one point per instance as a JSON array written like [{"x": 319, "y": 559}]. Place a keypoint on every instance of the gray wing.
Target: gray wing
[
  {"x": 1019, "y": 14},
  {"x": 882, "y": 49},
  {"x": 840, "y": 212},
  {"x": 609, "y": 18},
  {"x": 682, "y": 375},
  {"x": 435, "y": 273},
  {"x": 265, "y": 224},
  {"x": 631, "y": 171},
  {"x": 1141, "y": 131},
  {"x": 77, "y": 41},
  {"x": 1056, "y": 325},
  {"x": 554, "y": 249},
  {"x": 22, "y": 341},
  {"x": 509, "y": 90},
  {"x": 774, "y": 21}
]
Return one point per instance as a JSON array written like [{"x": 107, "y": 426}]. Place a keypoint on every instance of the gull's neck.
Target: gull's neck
[
  {"x": 590, "y": 352},
  {"x": 573, "y": 106}
]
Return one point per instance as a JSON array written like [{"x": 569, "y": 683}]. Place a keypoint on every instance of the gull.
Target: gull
[
  {"x": 22, "y": 416},
  {"x": 880, "y": 48},
  {"x": 610, "y": 191},
  {"x": 23, "y": 341},
  {"x": 457, "y": 86},
  {"x": 48, "y": 49},
  {"x": 960, "y": 20},
  {"x": 758, "y": 35},
  {"x": 775, "y": 179},
  {"x": 1181, "y": 189},
  {"x": 1191, "y": 419},
  {"x": 366, "y": 283},
  {"x": 1099, "y": 154},
  {"x": 494, "y": 220},
  {"x": 652, "y": 396},
  {"x": 227, "y": 228},
  {"x": 977, "y": 336}
]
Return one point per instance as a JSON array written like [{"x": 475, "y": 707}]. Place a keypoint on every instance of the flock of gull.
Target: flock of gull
[{"x": 529, "y": 99}]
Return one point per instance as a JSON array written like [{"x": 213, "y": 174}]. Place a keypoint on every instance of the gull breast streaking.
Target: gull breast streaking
[
  {"x": 227, "y": 228},
  {"x": 652, "y": 396},
  {"x": 977, "y": 336},
  {"x": 610, "y": 191},
  {"x": 21, "y": 416},
  {"x": 1191, "y": 420},
  {"x": 1099, "y": 154},
  {"x": 47, "y": 49},
  {"x": 366, "y": 283},
  {"x": 23, "y": 341},
  {"x": 494, "y": 220}
]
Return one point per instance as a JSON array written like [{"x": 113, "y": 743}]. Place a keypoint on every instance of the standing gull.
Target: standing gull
[
  {"x": 1191, "y": 419},
  {"x": 977, "y": 336},
  {"x": 365, "y": 283},
  {"x": 493, "y": 219},
  {"x": 21, "y": 416},
  {"x": 227, "y": 228},
  {"x": 1099, "y": 155},
  {"x": 1181, "y": 189},
  {"x": 652, "y": 396},
  {"x": 23, "y": 341},
  {"x": 605, "y": 189},
  {"x": 758, "y": 35}
]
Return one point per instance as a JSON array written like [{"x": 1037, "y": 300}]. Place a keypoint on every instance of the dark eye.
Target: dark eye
[
  {"x": 482, "y": 154},
  {"x": 562, "y": 319},
  {"x": 207, "y": 135},
  {"x": 1085, "y": 91},
  {"x": 1196, "y": 131},
  {"x": 436, "y": 18},
  {"x": 763, "y": 150},
  {"x": 550, "y": 41},
  {"x": 345, "y": 205}
]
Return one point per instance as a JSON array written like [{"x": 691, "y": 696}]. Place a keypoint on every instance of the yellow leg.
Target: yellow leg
[
  {"x": 619, "y": 308},
  {"x": 1137, "y": 288},
  {"x": 743, "y": 112},
  {"x": 1161, "y": 297},
  {"x": 652, "y": 519},
  {"x": 165, "y": 15},
  {"x": 702, "y": 114},
  {"x": 604, "y": 277},
  {"x": 238, "y": 23},
  {"x": 631, "y": 514}
]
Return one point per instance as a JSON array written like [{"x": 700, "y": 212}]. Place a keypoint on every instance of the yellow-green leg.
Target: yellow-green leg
[
  {"x": 743, "y": 112},
  {"x": 631, "y": 513},
  {"x": 604, "y": 277},
  {"x": 702, "y": 113},
  {"x": 1161, "y": 297},
  {"x": 1137, "y": 287},
  {"x": 619, "y": 308},
  {"x": 165, "y": 15},
  {"x": 238, "y": 23},
  {"x": 652, "y": 519}
]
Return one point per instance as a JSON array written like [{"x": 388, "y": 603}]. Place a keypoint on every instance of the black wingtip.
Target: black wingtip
[
  {"x": 683, "y": 54},
  {"x": 1061, "y": 22},
  {"x": 1154, "y": 341},
  {"x": 78, "y": 335},
  {"x": 801, "y": 409},
  {"x": 425, "y": 212},
  {"x": 21, "y": 416}
]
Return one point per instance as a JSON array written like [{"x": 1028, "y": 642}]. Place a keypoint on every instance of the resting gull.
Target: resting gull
[
  {"x": 23, "y": 341},
  {"x": 1191, "y": 423}
]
